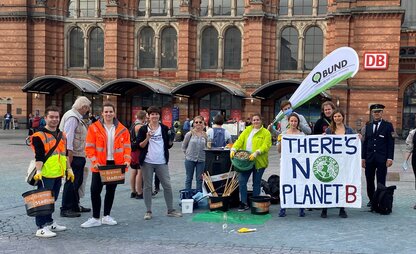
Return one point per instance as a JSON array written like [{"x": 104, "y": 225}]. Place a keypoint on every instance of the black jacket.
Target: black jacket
[
  {"x": 167, "y": 143},
  {"x": 378, "y": 147}
]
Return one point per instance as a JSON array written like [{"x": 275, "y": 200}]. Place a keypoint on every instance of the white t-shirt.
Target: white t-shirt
[
  {"x": 110, "y": 141},
  {"x": 156, "y": 152},
  {"x": 249, "y": 144}
]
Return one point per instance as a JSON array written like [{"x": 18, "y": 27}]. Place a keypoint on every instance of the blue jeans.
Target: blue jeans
[
  {"x": 190, "y": 167},
  {"x": 243, "y": 179},
  {"x": 53, "y": 184}
]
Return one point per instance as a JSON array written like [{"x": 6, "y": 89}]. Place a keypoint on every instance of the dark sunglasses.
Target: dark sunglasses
[{"x": 197, "y": 122}]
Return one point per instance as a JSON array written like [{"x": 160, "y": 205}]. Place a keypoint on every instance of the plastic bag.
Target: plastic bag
[{"x": 405, "y": 165}]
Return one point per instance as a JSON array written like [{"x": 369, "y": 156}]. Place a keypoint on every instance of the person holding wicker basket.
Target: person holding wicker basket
[{"x": 257, "y": 140}]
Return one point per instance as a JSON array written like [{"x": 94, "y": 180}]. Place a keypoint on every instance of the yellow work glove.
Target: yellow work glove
[
  {"x": 70, "y": 175},
  {"x": 279, "y": 138},
  {"x": 232, "y": 153},
  {"x": 253, "y": 156},
  {"x": 38, "y": 175}
]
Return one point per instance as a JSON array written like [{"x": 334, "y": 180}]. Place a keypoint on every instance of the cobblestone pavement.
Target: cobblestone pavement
[{"x": 361, "y": 232}]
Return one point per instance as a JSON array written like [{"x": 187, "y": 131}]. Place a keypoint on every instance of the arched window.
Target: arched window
[
  {"x": 169, "y": 48},
  {"x": 71, "y": 8},
  {"x": 409, "y": 109},
  {"x": 222, "y": 7},
  {"x": 323, "y": 7},
  {"x": 175, "y": 7},
  {"x": 283, "y": 7},
  {"x": 302, "y": 7},
  {"x": 87, "y": 8},
  {"x": 209, "y": 48},
  {"x": 158, "y": 7},
  {"x": 204, "y": 8},
  {"x": 103, "y": 7},
  {"x": 289, "y": 49},
  {"x": 96, "y": 48},
  {"x": 76, "y": 48},
  {"x": 141, "y": 10},
  {"x": 410, "y": 14},
  {"x": 147, "y": 48},
  {"x": 314, "y": 47},
  {"x": 240, "y": 8},
  {"x": 232, "y": 49}
]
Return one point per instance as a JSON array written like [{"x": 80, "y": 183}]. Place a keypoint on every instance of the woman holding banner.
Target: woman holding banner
[
  {"x": 337, "y": 127},
  {"x": 293, "y": 129},
  {"x": 257, "y": 140}
]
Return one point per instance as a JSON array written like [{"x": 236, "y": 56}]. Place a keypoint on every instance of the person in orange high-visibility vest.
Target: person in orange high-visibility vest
[
  {"x": 107, "y": 143},
  {"x": 49, "y": 171}
]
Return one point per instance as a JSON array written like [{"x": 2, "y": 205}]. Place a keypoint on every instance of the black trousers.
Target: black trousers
[
  {"x": 372, "y": 170},
  {"x": 70, "y": 195},
  {"x": 96, "y": 188}
]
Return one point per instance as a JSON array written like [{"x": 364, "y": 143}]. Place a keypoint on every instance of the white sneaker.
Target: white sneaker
[
  {"x": 108, "y": 220},
  {"x": 148, "y": 216},
  {"x": 45, "y": 232},
  {"x": 91, "y": 222},
  {"x": 56, "y": 228}
]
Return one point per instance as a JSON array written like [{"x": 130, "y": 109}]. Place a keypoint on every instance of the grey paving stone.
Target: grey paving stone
[{"x": 361, "y": 232}]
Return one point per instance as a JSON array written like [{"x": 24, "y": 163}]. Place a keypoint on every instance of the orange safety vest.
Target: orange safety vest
[
  {"x": 55, "y": 166},
  {"x": 96, "y": 144}
]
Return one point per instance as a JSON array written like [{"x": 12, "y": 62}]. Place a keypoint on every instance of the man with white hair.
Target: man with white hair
[{"x": 76, "y": 131}]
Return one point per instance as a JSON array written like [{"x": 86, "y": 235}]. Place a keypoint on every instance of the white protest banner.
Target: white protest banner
[
  {"x": 320, "y": 171},
  {"x": 339, "y": 65}
]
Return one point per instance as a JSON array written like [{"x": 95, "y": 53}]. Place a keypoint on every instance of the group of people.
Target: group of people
[
  {"x": 377, "y": 142},
  {"x": 108, "y": 142},
  {"x": 62, "y": 152}
]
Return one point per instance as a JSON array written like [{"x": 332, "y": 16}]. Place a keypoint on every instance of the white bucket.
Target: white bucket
[{"x": 187, "y": 205}]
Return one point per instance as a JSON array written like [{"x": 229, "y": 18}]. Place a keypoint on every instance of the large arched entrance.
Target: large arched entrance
[
  {"x": 409, "y": 109},
  {"x": 209, "y": 98},
  {"x": 139, "y": 94},
  {"x": 62, "y": 92}
]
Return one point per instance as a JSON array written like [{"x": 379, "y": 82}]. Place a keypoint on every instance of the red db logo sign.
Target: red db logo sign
[{"x": 376, "y": 61}]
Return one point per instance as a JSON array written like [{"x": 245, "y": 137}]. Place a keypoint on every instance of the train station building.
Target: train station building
[{"x": 204, "y": 57}]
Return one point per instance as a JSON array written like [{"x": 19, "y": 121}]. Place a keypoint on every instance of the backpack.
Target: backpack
[
  {"x": 382, "y": 202},
  {"x": 42, "y": 122},
  {"x": 36, "y": 122},
  {"x": 134, "y": 141},
  {"x": 219, "y": 137}
]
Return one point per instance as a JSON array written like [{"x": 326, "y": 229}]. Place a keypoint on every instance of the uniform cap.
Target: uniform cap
[{"x": 377, "y": 107}]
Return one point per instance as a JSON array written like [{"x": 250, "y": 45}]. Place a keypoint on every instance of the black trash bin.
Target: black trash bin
[{"x": 217, "y": 161}]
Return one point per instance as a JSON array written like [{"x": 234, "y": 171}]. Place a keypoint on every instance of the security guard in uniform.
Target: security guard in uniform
[{"x": 377, "y": 150}]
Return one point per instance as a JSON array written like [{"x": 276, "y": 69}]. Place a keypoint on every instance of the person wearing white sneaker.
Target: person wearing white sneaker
[
  {"x": 56, "y": 228},
  {"x": 91, "y": 222},
  {"x": 154, "y": 141},
  {"x": 49, "y": 146},
  {"x": 45, "y": 232},
  {"x": 108, "y": 220},
  {"x": 107, "y": 143}
]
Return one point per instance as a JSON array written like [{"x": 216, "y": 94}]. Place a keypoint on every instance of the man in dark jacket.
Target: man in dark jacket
[
  {"x": 320, "y": 126},
  {"x": 377, "y": 149}
]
